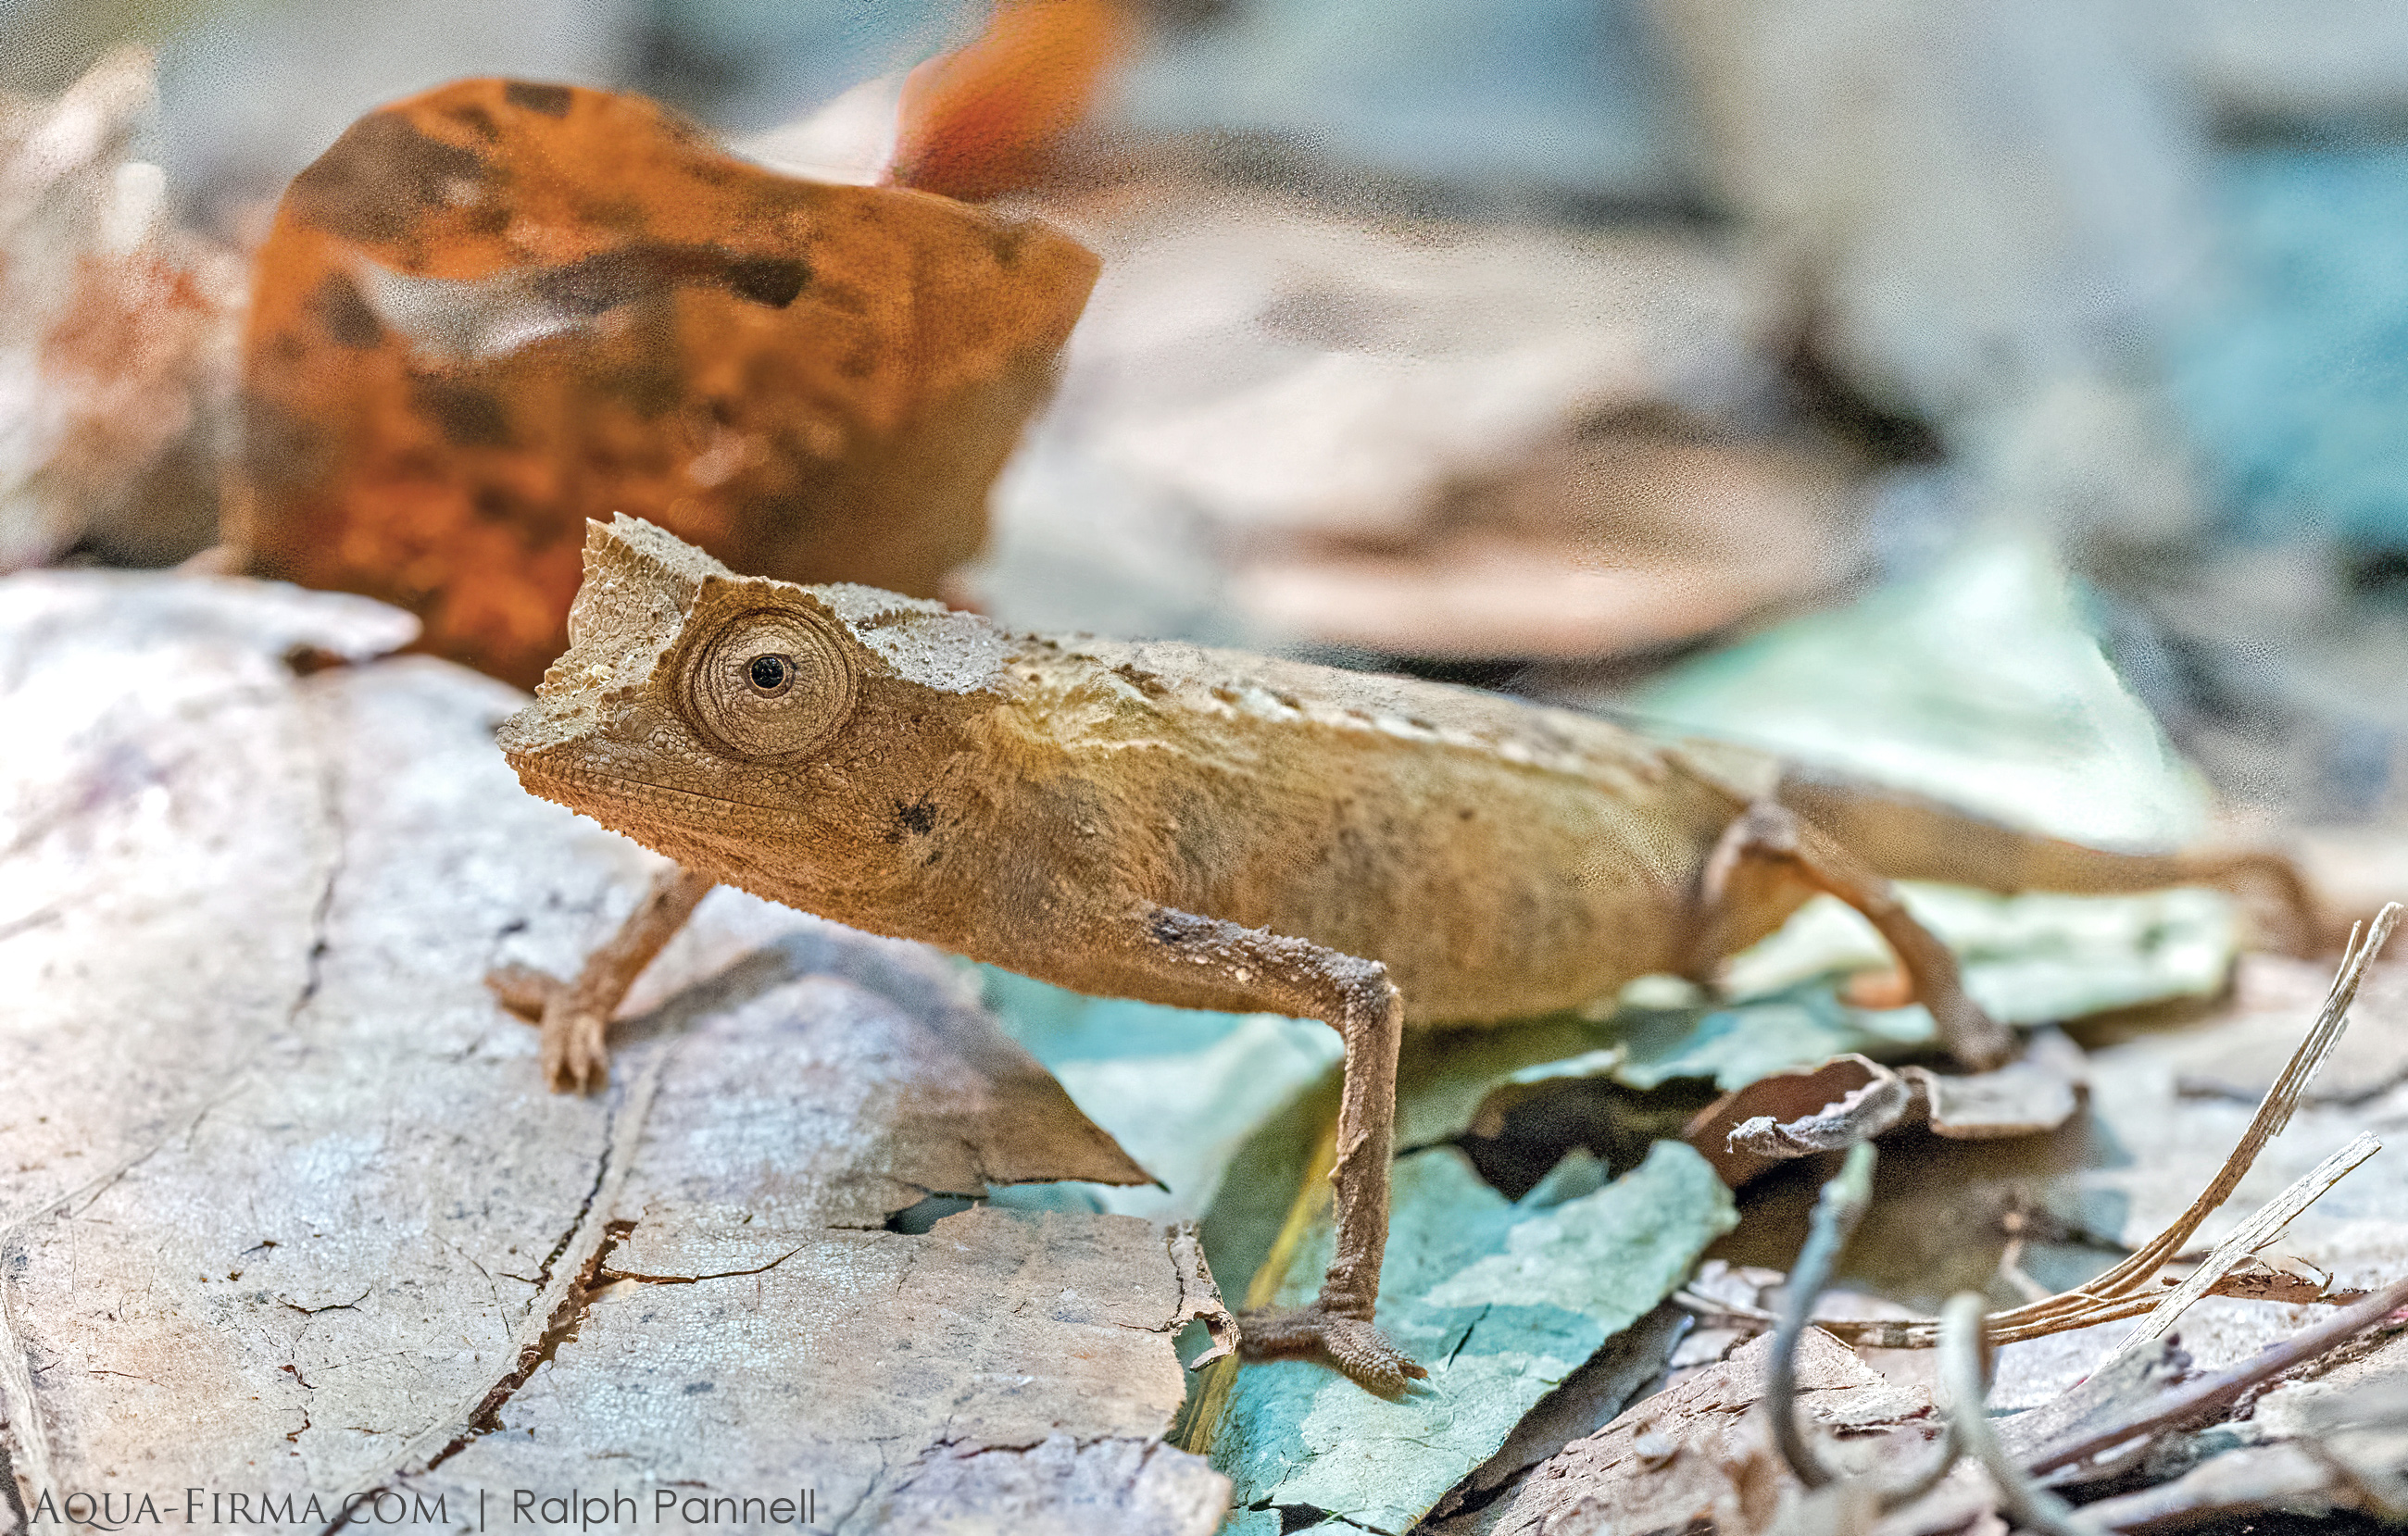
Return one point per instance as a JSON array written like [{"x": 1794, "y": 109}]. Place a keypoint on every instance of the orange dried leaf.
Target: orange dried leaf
[
  {"x": 986, "y": 119},
  {"x": 496, "y": 309}
]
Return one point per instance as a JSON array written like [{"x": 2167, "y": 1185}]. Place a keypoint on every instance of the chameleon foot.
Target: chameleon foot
[
  {"x": 574, "y": 1055},
  {"x": 573, "y": 1015},
  {"x": 1356, "y": 1348}
]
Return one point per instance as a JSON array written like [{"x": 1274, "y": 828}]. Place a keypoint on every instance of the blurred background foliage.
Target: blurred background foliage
[{"x": 2128, "y": 277}]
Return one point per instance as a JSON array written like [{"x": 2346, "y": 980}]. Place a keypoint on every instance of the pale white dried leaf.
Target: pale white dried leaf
[{"x": 294, "y": 1208}]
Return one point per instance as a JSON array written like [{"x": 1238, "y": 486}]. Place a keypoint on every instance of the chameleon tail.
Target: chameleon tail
[{"x": 1909, "y": 837}]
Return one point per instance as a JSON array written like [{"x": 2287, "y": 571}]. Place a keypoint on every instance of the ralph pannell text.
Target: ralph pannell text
[{"x": 491, "y": 1509}]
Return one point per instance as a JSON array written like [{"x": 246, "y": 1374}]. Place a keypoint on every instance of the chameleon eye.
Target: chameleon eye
[{"x": 770, "y": 684}]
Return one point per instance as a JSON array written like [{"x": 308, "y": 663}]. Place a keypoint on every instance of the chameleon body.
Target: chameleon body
[{"x": 1200, "y": 828}]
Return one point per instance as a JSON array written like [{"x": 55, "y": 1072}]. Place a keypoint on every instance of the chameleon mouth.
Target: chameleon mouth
[{"x": 580, "y": 788}]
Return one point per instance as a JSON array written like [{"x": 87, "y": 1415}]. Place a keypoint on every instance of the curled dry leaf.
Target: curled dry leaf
[
  {"x": 295, "y": 1206},
  {"x": 1828, "y": 1108},
  {"x": 496, "y": 309},
  {"x": 1848, "y": 1099},
  {"x": 2026, "y": 1097}
]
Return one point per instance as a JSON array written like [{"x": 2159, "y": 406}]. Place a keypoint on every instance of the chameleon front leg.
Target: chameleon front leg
[
  {"x": 574, "y": 1015},
  {"x": 1248, "y": 968},
  {"x": 1769, "y": 842}
]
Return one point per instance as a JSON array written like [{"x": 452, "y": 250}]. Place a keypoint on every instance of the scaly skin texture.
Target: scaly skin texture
[{"x": 1200, "y": 828}]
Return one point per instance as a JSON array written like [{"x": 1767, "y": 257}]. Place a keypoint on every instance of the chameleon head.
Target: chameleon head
[
  {"x": 686, "y": 690},
  {"x": 695, "y": 705}
]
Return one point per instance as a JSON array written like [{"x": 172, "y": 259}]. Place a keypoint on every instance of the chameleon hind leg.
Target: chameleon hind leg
[
  {"x": 1223, "y": 965},
  {"x": 1770, "y": 844},
  {"x": 574, "y": 1015}
]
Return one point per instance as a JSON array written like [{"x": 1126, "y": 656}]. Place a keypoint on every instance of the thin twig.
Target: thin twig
[
  {"x": 1891, "y": 1332},
  {"x": 2261, "y": 1228},
  {"x": 2188, "y": 1403},
  {"x": 1841, "y": 1206},
  {"x": 2127, "y": 1290},
  {"x": 1964, "y": 1375}
]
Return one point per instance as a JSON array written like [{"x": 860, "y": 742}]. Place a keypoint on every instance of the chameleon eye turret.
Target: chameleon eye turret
[{"x": 769, "y": 684}]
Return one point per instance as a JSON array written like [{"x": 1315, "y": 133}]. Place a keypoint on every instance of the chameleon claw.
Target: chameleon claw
[
  {"x": 575, "y": 1058},
  {"x": 1359, "y": 1351}
]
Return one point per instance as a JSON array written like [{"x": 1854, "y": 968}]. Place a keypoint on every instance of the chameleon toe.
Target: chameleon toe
[{"x": 1360, "y": 1351}]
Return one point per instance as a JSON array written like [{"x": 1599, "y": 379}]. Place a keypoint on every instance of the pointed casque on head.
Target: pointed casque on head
[{"x": 730, "y": 720}]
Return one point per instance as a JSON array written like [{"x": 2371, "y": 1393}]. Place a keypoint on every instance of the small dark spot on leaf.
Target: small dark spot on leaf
[
  {"x": 477, "y": 118},
  {"x": 551, "y": 100},
  {"x": 770, "y": 281},
  {"x": 493, "y": 503},
  {"x": 372, "y": 183},
  {"x": 468, "y": 416},
  {"x": 306, "y": 659},
  {"x": 607, "y": 279},
  {"x": 344, "y": 315}
]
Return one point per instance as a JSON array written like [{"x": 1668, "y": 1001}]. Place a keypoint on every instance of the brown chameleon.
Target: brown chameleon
[{"x": 1200, "y": 828}]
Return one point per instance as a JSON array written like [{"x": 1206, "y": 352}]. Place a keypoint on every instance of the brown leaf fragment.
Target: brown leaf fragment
[
  {"x": 989, "y": 118},
  {"x": 1864, "y": 1114},
  {"x": 2290, "y": 1280},
  {"x": 1200, "y": 1299},
  {"x": 1701, "y": 1451},
  {"x": 1807, "y": 1098},
  {"x": 2117, "y": 1390},
  {"x": 2031, "y": 1095},
  {"x": 1848, "y": 1099}
]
